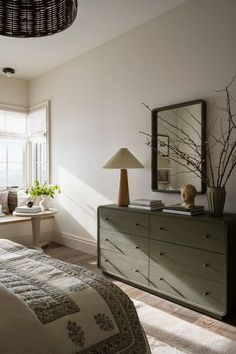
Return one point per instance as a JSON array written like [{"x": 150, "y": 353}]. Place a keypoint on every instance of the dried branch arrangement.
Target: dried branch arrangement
[
  {"x": 225, "y": 143},
  {"x": 220, "y": 168}
]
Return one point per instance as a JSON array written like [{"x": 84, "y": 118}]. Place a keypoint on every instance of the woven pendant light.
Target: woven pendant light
[{"x": 36, "y": 18}]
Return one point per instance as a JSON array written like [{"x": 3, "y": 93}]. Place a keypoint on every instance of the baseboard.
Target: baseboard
[
  {"x": 27, "y": 240},
  {"x": 77, "y": 242}
]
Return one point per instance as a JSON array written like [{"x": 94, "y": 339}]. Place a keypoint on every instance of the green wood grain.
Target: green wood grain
[
  {"x": 125, "y": 244},
  {"x": 190, "y": 260},
  {"x": 125, "y": 266},
  {"x": 134, "y": 224},
  {"x": 192, "y": 289},
  {"x": 194, "y": 261},
  {"x": 189, "y": 232}
]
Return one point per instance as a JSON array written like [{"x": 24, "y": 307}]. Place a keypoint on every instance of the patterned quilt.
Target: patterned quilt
[{"x": 49, "y": 306}]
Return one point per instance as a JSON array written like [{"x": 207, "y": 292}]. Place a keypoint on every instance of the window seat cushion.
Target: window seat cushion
[{"x": 7, "y": 219}]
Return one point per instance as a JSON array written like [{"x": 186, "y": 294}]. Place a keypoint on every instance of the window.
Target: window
[
  {"x": 38, "y": 137},
  {"x": 13, "y": 143},
  {"x": 12, "y": 162},
  {"x": 23, "y": 145}
]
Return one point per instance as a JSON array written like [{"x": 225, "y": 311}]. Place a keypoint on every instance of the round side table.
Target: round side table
[{"x": 35, "y": 221}]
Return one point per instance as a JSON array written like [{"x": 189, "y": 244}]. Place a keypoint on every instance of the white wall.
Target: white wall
[
  {"x": 96, "y": 104},
  {"x": 13, "y": 91}
]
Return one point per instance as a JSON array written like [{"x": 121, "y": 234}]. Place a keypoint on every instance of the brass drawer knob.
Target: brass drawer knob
[
  {"x": 137, "y": 248},
  {"x": 161, "y": 228},
  {"x": 136, "y": 271},
  {"x": 137, "y": 224},
  {"x": 161, "y": 278},
  {"x": 161, "y": 253},
  {"x": 206, "y": 236},
  {"x": 105, "y": 219},
  {"x": 206, "y": 293},
  {"x": 106, "y": 260},
  {"x": 206, "y": 265}
]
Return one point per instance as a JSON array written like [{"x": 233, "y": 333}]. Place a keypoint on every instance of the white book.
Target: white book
[
  {"x": 181, "y": 212},
  {"x": 180, "y": 207},
  {"x": 144, "y": 207},
  {"x": 25, "y": 209},
  {"x": 145, "y": 202}
]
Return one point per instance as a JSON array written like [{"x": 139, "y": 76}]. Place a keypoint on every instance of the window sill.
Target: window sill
[{"x": 8, "y": 219}]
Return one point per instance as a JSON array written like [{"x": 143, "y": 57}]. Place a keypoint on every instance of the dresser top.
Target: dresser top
[{"x": 226, "y": 218}]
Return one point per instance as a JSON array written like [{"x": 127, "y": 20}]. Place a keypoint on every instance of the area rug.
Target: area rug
[{"x": 168, "y": 334}]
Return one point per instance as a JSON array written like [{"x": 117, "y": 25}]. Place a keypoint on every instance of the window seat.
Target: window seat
[{"x": 8, "y": 219}]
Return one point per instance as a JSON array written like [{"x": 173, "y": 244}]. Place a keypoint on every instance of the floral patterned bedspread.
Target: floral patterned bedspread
[{"x": 74, "y": 310}]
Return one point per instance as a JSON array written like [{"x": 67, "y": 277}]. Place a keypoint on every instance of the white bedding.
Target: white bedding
[{"x": 49, "y": 306}]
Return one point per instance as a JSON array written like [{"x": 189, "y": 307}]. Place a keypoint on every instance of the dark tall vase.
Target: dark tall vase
[{"x": 216, "y": 200}]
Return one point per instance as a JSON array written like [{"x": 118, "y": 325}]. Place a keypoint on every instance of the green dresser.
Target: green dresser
[{"x": 189, "y": 260}]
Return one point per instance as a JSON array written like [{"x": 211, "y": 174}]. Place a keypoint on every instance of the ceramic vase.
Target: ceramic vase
[
  {"x": 45, "y": 202},
  {"x": 36, "y": 200},
  {"x": 216, "y": 200}
]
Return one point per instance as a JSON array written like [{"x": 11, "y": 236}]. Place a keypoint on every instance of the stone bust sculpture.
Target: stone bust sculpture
[{"x": 188, "y": 193}]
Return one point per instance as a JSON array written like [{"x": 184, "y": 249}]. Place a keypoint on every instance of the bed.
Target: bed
[{"x": 49, "y": 306}]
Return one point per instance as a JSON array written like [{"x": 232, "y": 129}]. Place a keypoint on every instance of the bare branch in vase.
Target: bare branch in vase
[{"x": 223, "y": 143}]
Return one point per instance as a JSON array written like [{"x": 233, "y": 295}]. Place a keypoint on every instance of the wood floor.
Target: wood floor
[{"x": 225, "y": 328}]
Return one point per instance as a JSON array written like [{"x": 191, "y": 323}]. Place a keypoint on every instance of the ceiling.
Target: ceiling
[{"x": 97, "y": 21}]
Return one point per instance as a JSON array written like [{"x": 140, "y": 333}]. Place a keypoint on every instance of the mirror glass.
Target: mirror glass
[{"x": 178, "y": 154}]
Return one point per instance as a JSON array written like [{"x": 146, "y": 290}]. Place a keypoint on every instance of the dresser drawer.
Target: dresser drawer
[
  {"x": 124, "y": 244},
  {"x": 125, "y": 267},
  {"x": 123, "y": 221},
  {"x": 184, "y": 231},
  {"x": 188, "y": 288},
  {"x": 194, "y": 261}
]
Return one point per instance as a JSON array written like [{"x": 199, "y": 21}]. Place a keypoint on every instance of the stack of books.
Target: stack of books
[
  {"x": 179, "y": 209},
  {"x": 147, "y": 204},
  {"x": 31, "y": 210}
]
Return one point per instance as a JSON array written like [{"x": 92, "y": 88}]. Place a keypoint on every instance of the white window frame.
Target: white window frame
[
  {"x": 27, "y": 155},
  {"x": 30, "y": 153}
]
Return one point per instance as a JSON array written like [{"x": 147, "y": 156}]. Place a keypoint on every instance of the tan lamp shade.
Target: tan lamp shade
[{"x": 122, "y": 160}]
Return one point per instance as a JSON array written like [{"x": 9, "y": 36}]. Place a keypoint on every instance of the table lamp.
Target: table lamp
[{"x": 123, "y": 159}]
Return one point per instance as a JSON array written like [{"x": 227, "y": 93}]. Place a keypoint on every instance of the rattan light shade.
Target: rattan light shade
[{"x": 36, "y": 18}]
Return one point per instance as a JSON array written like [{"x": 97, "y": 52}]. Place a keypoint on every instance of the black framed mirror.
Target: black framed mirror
[{"x": 178, "y": 152}]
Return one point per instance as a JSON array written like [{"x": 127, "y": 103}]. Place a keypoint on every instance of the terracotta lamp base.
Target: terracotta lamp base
[{"x": 123, "y": 199}]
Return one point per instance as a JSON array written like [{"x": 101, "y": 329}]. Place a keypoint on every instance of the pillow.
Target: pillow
[
  {"x": 22, "y": 198},
  {"x": 12, "y": 199},
  {"x": 4, "y": 201}
]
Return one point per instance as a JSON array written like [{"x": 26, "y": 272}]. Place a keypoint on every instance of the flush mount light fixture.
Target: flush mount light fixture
[
  {"x": 8, "y": 71},
  {"x": 36, "y": 18}
]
